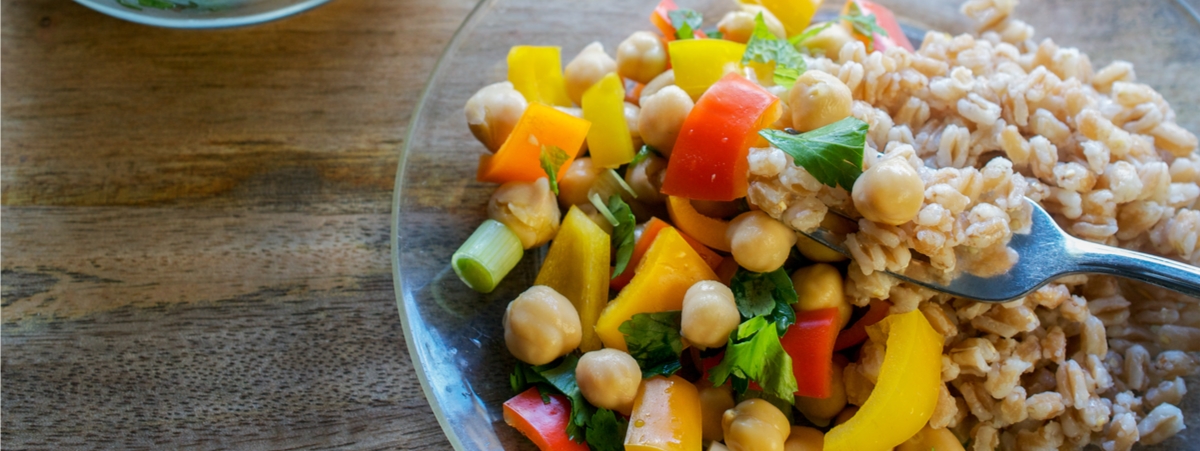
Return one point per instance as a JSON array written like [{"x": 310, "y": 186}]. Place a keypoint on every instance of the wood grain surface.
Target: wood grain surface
[{"x": 195, "y": 229}]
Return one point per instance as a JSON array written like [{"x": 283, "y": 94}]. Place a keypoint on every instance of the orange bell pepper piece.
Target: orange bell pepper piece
[
  {"x": 544, "y": 423},
  {"x": 669, "y": 268},
  {"x": 710, "y": 231},
  {"x": 795, "y": 15},
  {"x": 649, "y": 232},
  {"x": 536, "y": 73},
  {"x": 609, "y": 142},
  {"x": 577, "y": 267},
  {"x": 886, "y": 20},
  {"x": 518, "y": 158},
  {"x": 666, "y": 416},
  {"x": 709, "y": 158}
]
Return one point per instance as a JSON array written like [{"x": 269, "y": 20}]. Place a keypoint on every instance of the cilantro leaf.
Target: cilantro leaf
[
  {"x": 686, "y": 22},
  {"x": 765, "y": 47},
  {"x": 832, "y": 154},
  {"x": 654, "y": 341},
  {"x": 863, "y": 25},
  {"x": 622, "y": 238},
  {"x": 606, "y": 431},
  {"x": 754, "y": 353},
  {"x": 552, "y": 158},
  {"x": 765, "y": 294}
]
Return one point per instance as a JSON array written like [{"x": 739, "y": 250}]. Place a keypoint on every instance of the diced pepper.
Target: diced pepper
[
  {"x": 544, "y": 423},
  {"x": 661, "y": 19},
  {"x": 518, "y": 158},
  {"x": 810, "y": 344},
  {"x": 710, "y": 231},
  {"x": 727, "y": 270},
  {"x": 709, "y": 158},
  {"x": 608, "y": 140},
  {"x": 699, "y": 63},
  {"x": 669, "y": 268},
  {"x": 932, "y": 439},
  {"x": 536, "y": 73},
  {"x": 577, "y": 267},
  {"x": 857, "y": 333},
  {"x": 886, "y": 20},
  {"x": 666, "y": 416},
  {"x": 795, "y": 14},
  {"x": 906, "y": 393},
  {"x": 633, "y": 91},
  {"x": 649, "y": 232}
]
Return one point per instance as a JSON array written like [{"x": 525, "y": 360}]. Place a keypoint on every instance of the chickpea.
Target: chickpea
[
  {"x": 714, "y": 401},
  {"x": 528, "y": 209},
  {"x": 758, "y": 242},
  {"x": 661, "y": 81},
  {"x": 576, "y": 181},
  {"x": 493, "y": 112},
  {"x": 641, "y": 57},
  {"x": 646, "y": 179},
  {"x": 845, "y": 415},
  {"x": 594, "y": 215},
  {"x": 805, "y": 439},
  {"x": 890, "y": 192},
  {"x": 541, "y": 325},
  {"x": 818, "y": 287},
  {"x": 818, "y": 252},
  {"x": 662, "y": 116},
  {"x": 709, "y": 314},
  {"x": 755, "y": 425},
  {"x": 589, "y": 66},
  {"x": 633, "y": 114},
  {"x": 609, "y": 379},
  {"x": 738, "y": 26},
  {"x": 830, "y": 40},
  {"x": 818, "y": 99},
  {"x": 821, "y": 411}
]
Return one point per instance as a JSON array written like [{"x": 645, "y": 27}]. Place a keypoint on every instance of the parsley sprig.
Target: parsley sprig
[
  {"x": 754, "y": 353},
  {"x": 654, "y": 341},
  {"x": 765, "y": 47},
  {"x": 863, "y": 25},
  {"x": 599, "y": 427},
  {"x": 769, "y": 294},
  {"x": 552, "y": 158},
  {"x": 686, "y": 22},
  {"x": 833, "y": 154}
]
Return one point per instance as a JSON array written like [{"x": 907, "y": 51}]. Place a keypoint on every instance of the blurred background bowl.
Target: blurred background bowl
[
  {"x": 200, "y": 13},
  {"x": 455, "y": 334}
]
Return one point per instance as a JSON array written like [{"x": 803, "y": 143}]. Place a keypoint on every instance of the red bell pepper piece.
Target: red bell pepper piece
[
  {"x": 857, "y": 333},
  {"x": 661, "y": 19},
  {"x": 649, "y": 232},
  {"x": 886, "y": 20},
  {"x": 544, "y": 423},
  {"x": 810, "y": 344},
  {"x": 709, "y": 158}
]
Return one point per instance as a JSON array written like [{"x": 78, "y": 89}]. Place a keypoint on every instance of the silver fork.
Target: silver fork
[{"x": 1045, "y": 253}]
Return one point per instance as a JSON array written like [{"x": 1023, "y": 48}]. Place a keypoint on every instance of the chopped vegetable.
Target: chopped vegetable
[
  {"x": 605, "y": 430},
  {"x": 709, "y": 231},
  {"x": 487, "y": 256},
  {"x": 622, "y": 238},
  {"x": 609, "y": 142},
  {"x": 661, "y": 18},
  {"x": 810, "y": 344},
  {"x": 536, "y": 72},
  {"x": 857, "y": 333},
  {"x": 649, "y": 232},
  {"x": 768, "y": 294},
  {"x": 519, "y": 158},
  {"x": 832, "y": 154},
  {"x": 545, "y": 423},
  {"x": 754, "y": 353},
  {"x": 699, "y": 63},
  {"x": 686, "y": 22},
  {"x": 794, "y": 14},
  {"x": 551, "y": 159},
  {"x": 905, "y": 395},
  {"x": 654, "y": 341},
  {"x": 577, "y": 267},
  {"x": 874, "y": 25},
  {"x": 709, "y": 159},
  {"x": 765, "y": 48},
  {"x": 608, "y": 184},
  {"x": 669, "y": 268},
  {"x": 666, "y": 416}
]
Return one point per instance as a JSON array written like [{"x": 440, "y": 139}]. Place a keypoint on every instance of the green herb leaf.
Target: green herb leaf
[
  {"x": 552, "y": 158},
  {"x": 686, "y": 22},
  {"x": 606, "y": 431},
  {"x": 768, "y": 294},
  {"x": 594, "y": 198},
  {"x": 765, "y": 47},
  {"x": 643, "y": 154},
  {"x": 832, "y": 154},
  {"x": 653, "y": 340},
  {"x": 754, "y": 353},
  {"x": 715, "y": 34},
  {"x": 557, "y": 378},
  {"x": 809, "y": 33},
  {"x": 622, "y": 238},
  {"x": 863, "y": 25}
]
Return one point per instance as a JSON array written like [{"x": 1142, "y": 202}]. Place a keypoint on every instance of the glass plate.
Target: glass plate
[{"x": 202, "y": 13}]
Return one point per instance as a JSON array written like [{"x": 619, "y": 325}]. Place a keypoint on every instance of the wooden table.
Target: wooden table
[{"x": 195, "y": 228}]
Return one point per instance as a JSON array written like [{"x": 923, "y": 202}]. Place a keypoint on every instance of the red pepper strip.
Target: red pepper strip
[
  {"x": 810, "y": 344},
  {"x": 857, "y": 333},
  {"x": 709, "y": 158},
  {"x": 886, "y": 20},
  {"x": 544, "y": 424},
  {"x": 661, "y": 19},
  {"x": 653, "y": 226}
]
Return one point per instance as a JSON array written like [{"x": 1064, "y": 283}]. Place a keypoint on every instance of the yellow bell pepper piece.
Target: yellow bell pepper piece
[
  {"x": 577, "y": 267},
  {"x": 536, "y": 72},
  {"x": 665, "y": 273},
  {"x": 794, "y": 14},
  {"x": 903, "y": 400},
  {"x": 709, "y": 231},
  {"x": 932, "y": 439},
  {"x": 666, "y": 416},
  {"x": 699, "y": 63},
  {"x": 608, "y": 140}
]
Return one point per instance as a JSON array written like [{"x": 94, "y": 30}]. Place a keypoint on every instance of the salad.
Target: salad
[{"x": 680, "y": 306}]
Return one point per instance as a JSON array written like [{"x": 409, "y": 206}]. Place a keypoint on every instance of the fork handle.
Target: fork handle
[{"x": 1152, "y": 269}]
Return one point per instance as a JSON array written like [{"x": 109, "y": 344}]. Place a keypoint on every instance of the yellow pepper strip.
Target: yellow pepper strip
[
  {"x": 577, "y": 267},
  {"x": 666, "y": 416},
  {"x": 608, "y": 140},
  {"x": 794, "y": 14},
  {"x": 903, "y": 400},
  {"x": 932, "y": 439},
  {"x": 708, "y": 231},
  {"x": 536, "y": 72},
  {"x": 665, "y": 273},
  {"x": 699, "y": 63}
]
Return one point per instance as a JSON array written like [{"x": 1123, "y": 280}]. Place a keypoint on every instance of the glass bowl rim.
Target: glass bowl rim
[{"x": 198, "y": 24}]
